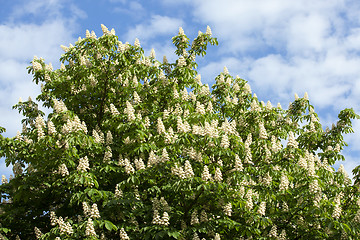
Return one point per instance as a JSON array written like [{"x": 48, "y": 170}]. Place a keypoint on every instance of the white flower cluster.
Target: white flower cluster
[
  {"x": 129, "y": 111},
  {"x": 170, "y": 136},
  {"x": 337, "y": 208},
  {"x": 292, "y": 141},
  {"x": 225, "y": 143},
  {"x": 98, "y": 136},
  {"x": 139, "y": 164},
  {"x": 211, "y": 129},
  {"x": 203, "y": 216},
  {"x": 249, "y": 202},
  {"x": 181, "y": 172},
  {"x": 337, "y": 211},
  {"x": 282, "y": 235},
  {"x": 217, "y": 236},
  {"x": 344, "y": 173},
  {"x": 314, "y": 187},
  {"x": 51, "y": 127},
  {"x": 90, "y": 230},
  {"x": 65, "y": 228},
  {"x": 4, "y": 179},
  {"x": 106, "y": 31},
  {"x": 123, "y": 234},
  {"x": 160, "y": 126},
  {"x": 92, "y": 212},
  {"x": 83, "y": 164},
  {"x": 194, "y": 218},
  {"x": 227, "y": 209},
  {"x": 118, "y": 191},
  {"x": 129, "y": 169},
  {"x": 273, "y": 232},
  {"x": 59, "y": 106},
  {"x": 183, "y": 127},
  {"x": 218, "y": 175},
  {"x": 200, "y": 108},
  {"x": 238, "y": 164},
  {"x": 113, "y": 110},
  {"x": 74, "y": 126},
  {"x": 267, "y": 179},
  {"x": 284, "y": 182},
  {"x": 36, "y": 65},
  {"x": 137, "y": 43},
  {"x": 181, "y": 62},
  {"x": 164, "y": 220},
  {"x": 38, "y": 233},
  {"x": 248, "y": 154},
  {"x": 262, "y": 131},
  {"x": 262, "y": 208},
  {"x": 39, "y": 124},
  {"x": 107, "y": 154},
  {"x": 109, "y": 138},
  {"x": 195, "y": 236},
  {"x": 63, "y": 171},
  {"x": 17, "y": 169},
  {"x": 275, "y": 144},
  {"x": 206, "y": 176}
]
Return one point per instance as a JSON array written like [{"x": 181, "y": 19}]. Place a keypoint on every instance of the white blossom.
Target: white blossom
[
  {"x": 123, "y": 235},
  {"x": 273, "y": 231},
  {"x": 292, "y": 141},
  {"x": 59, "y": 106},
  {"x": 128, "y": 167},
  {"x": 4, "y": 179},
  {"x": 160, "y": 126},
  {"x": 227, "y": 209},
  {"x": 225, "y": 143},
  {"x": 165, "y": 219},
  {"x": 217, "y": 236},
  {"x": 139, "y": 164},
  {"x": 113, "y": 110},
  {"x": 137, "y": 43},
  {"x": 218, "y": 175},
  {"x": 203, "y": 216},
  {"x": 262, "y": 131},
  {"x": 284, "y": 182},
  {"x": 94, "y": 212},
  {"x": 38, "y": 233},
  {"x": 63, "y": 171},
  {"x": 90, "y": 230},
  {"x": 181, "y": 62},
  {"x": 262, "y": 208},
  {"x": 129, "y": 111},
  {"x": 188, "y": 170},
  {"x": 337, "y": 211},
  {"x": 118, "y": 191},
  {"x": 206, "y": 176},
  {"x": 238, "y": 164},
  {"x": 137, "y": 98},
  {"x": 194, "y": 218},
  {"x": 156, "y": 218},
  {"x": 208, "y": 31},
  {"x": 83, "y": 164},
  {"x": 164, "y": 155}
]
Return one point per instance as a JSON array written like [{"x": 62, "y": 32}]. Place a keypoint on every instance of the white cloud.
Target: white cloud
[
  {"x": 157, "y": 26},
  {"x": 46, "y": 9},
  {"x": 18, "y": 45}
]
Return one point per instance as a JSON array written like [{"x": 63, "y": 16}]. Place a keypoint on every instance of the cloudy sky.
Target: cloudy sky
[{"x": 281, "y": 47}]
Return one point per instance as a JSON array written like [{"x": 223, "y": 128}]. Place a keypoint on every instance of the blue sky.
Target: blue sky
[{"x": 281, "y": 47}]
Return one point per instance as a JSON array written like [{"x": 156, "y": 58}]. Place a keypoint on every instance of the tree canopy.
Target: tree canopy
[{"x": 135, "y": 148}]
